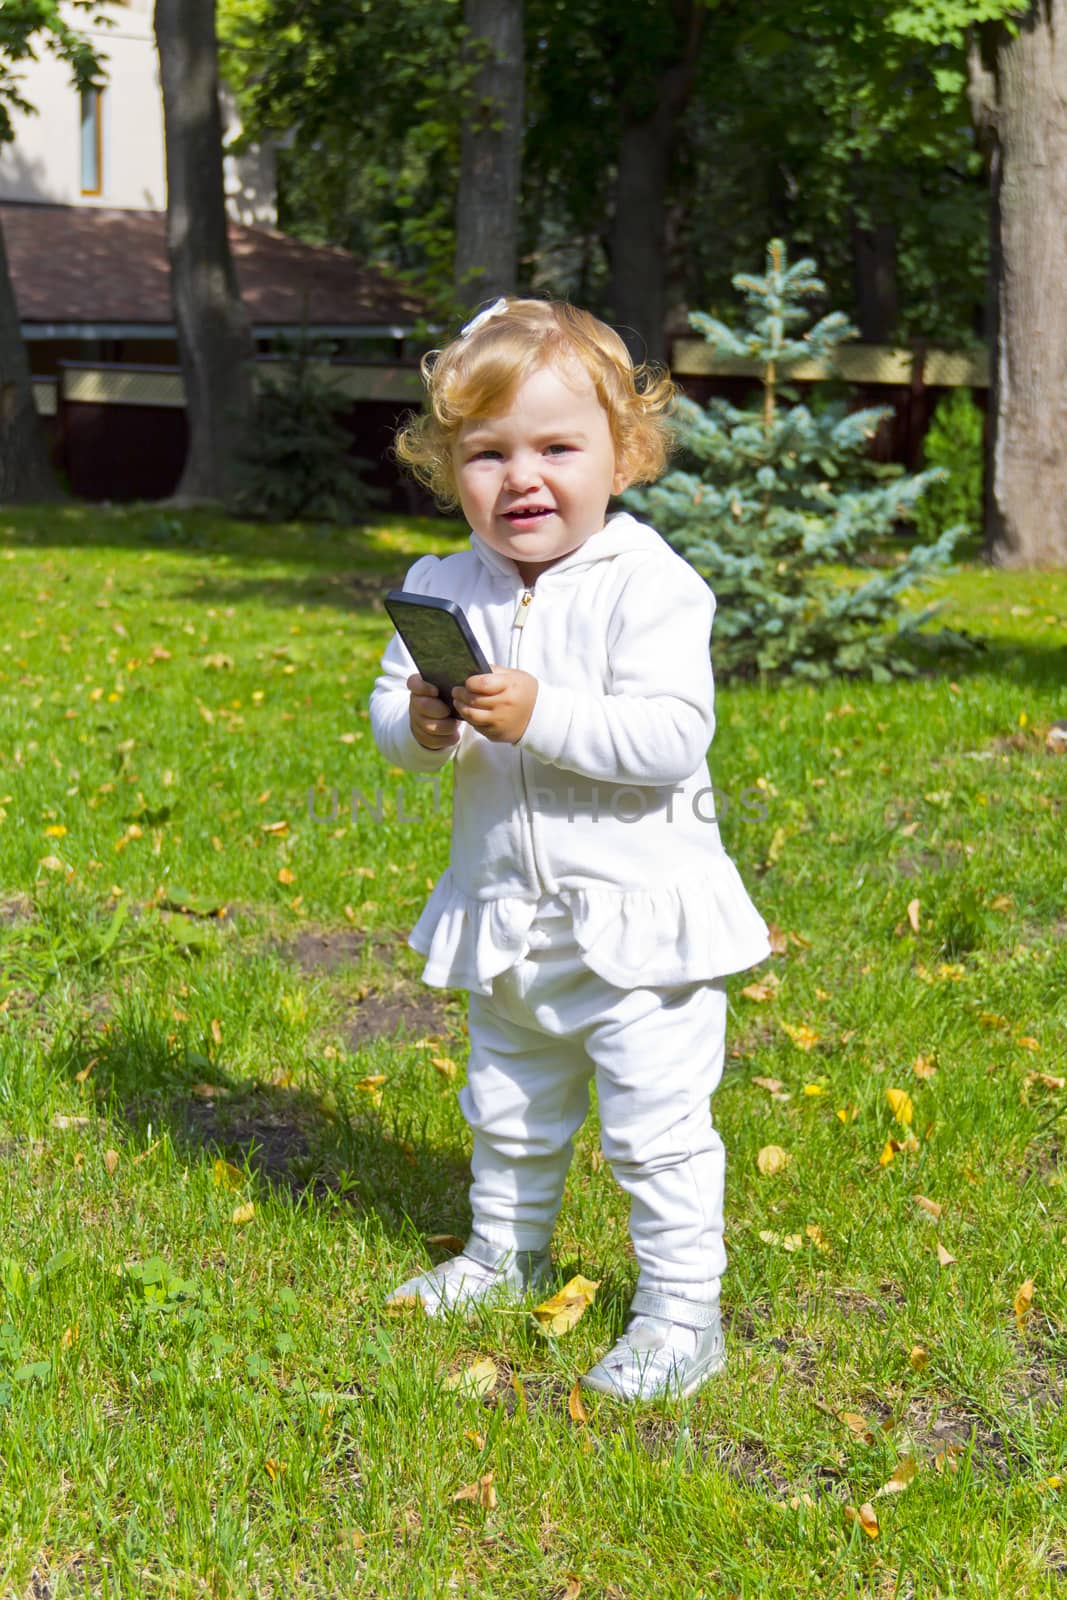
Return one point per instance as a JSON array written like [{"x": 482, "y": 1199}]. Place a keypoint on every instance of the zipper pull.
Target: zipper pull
[{"x": 523, "y": 607}]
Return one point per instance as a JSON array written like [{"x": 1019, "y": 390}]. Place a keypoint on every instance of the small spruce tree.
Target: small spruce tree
[{"x": 774, "y": 494}]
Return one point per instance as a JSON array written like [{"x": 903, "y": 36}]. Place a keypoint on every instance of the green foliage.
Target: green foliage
[
  {"x": 953, "y": 445},
  {"x": 26, "y": 25},
  {"x": 776, "y": 494},
  {"x": 298, "y": 462}
]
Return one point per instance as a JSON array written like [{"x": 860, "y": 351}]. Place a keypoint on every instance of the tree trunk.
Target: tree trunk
[
  {"x": 214, "y": 337},
  {"x": 874, "y": 258},
  {"x": 1018, "y": 90},
  {"x": 639, "y": 230},
  {"x": 25, "y": 470},
  {"x": 490, "y": 152}
]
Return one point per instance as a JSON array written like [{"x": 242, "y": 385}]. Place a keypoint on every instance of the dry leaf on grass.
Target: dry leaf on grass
[
  {"x": 944, "y": 1256},
  {"x": 904, "y": 1471},
  {"x": 227, "y": 1176},
  {"x": 765, "y": 989},
  {"x": 1046, "y": 1079},
  {"x": 857, "y": 1424},
  {"x": 900, "y": 1104},
  {"x": 446, "y": 1241},
  {"x": 481, "y": 1493},
  {"x": 772, "y": 1159},
  {"x": 111, "y": 1161},
  {"x": 803, "y": 1037},
  {"x": 573, "y": 1589},
  {"x": 913, "y": 915},
  {"x": 445, "y": 1066},
  {"x": 918, "y": 1357},
  {"x": 562, "y": 1311},
  {"x": 778, "y": 941},
  {"x": 275, "y": 1469},
  {"x": 817, "y": 1237},
  {"x": 786, "y": 1241},
  {"x": 772, "y": 1085},
  {"x": 947, "y": 1460},
  {"x": 576, "y": 1405},
  {"x": 847, "y": 1114},
  {"x": 480, "y": 1378},
  {"x": 243, "y": 1214},
  {"x": 865, "y": 1517},
  {"x": 64, "y": 1124},
  {"x": 931, "y": 1207},
  {"x": 1024, "y": 1296},
  {"x": 923, "y": 1067}
]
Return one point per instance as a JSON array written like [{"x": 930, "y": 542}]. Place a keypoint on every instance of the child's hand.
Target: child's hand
[
  {"x": 498, "y": 703},
  {"x": 431, "y": 722}
]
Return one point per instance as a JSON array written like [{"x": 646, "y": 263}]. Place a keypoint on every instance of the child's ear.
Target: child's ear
[{"x": 623, "y": 477}]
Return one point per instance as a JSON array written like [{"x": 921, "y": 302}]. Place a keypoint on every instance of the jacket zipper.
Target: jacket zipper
[{"x": 522, "y": 611}]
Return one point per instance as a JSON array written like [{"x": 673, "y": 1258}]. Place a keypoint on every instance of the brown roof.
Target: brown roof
[{"x": 88, "y": 264}]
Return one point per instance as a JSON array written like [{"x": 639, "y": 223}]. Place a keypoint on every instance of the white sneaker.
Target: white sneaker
[
  {"x": 670, "y": 1348},
  {"x": 483, "y": 1272}
]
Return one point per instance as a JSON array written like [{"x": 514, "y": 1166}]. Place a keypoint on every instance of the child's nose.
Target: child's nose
[{"x": 524, "y": 471}]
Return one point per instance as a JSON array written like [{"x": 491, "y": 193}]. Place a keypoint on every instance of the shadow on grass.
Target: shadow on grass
[{"x": 370, "y": 545}]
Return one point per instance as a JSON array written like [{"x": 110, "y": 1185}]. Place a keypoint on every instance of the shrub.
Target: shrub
[{"x": 954, "y": 444}]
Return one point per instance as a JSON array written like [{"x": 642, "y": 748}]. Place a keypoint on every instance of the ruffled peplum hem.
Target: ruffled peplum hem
[{"x": 633, "y": 938}]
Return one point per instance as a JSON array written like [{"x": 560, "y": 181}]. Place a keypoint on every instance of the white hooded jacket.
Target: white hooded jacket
[{"x": 606, "y": 800}]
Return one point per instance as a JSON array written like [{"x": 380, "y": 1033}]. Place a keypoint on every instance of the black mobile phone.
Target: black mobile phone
[{"x": 439, "y": 639}]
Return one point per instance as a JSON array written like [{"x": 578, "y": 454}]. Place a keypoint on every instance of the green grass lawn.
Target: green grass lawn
[{"x": 228, "y": 1121}]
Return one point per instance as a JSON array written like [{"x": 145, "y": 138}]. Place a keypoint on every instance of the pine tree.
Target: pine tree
[{"x": 777, "y": 492}]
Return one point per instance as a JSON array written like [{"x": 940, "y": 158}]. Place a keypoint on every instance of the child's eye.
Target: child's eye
[
  {"x": 486, "y": 455},
  {"x": 558, "y": 449}
]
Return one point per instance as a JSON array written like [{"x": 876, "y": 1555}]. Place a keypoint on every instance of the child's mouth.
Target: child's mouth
[{"x": 523, "y": 514}]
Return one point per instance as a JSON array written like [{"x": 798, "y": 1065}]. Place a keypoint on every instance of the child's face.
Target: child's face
[{"x": 535, "y": 481}]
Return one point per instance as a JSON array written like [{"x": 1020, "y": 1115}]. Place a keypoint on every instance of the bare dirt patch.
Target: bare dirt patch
[{"x": 378, "y": 1016}]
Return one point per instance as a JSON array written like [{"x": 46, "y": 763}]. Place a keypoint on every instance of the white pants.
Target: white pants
[{"x": 536, "y": 1041}]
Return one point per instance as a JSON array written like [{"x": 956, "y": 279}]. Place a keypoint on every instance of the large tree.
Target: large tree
[
  {"x": 27, "y": 26},
  {"x": 1018, "y": 81},
  {"x": 490, "y": 151},
  {"x": 214, "y": 335}
]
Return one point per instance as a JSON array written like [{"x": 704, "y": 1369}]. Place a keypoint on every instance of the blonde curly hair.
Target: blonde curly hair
[{"x": 476, "y": 374}]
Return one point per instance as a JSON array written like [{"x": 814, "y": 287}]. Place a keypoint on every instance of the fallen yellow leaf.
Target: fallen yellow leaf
[
  {"x": 923, "y": 1067},
  {"x": 772, "y": 1085},
  {"x": 480, "y": 1378},
  {"x": 275, "y": 1469},
  {"x": 785, "y": 1241},
  {"x": 948, "y": 1458},
  {"x": 803, "y": 1037},
  {"x": 1027, "y": 1042},
  {"x": 216, "y": 1030},
  {"x": 481, "y": 1493},
  {"x": 944, "y": 1256},
  {"x": 813, "y": 1089},
  {"x": 576, "y": 1405},
  {"x": 285, "y": 876},
  {"x": 1024, "y": 1296},
  {"x": 889, "y": 1150},
  {"x": 446, "y": 1241},
  {"x": 847, "y": 1114},
  {"x": 865, "y": 1517},
  {"x": 476, "y": 1439},
  {"x": 562, "y": 1311},
  {"x": 227, "y": 1176},
  {"x": 918, "y": 1357},
  {"x": 900, "y": 1104},
  {"x": 445, "y": 1066},
  {"x": 930, "y": 1206},
  {"x": 817, "y": 1237},
  {"x": 765, "y": 989},
  {"x": 63, "y": 1123},
  {"x": 111, "y": 1161},
  {"x": 856, "y": 1423},
  {"x": 905, "y": 1470},
  {"x": 913, "y": 915},
  {"x": 243, "y": 1214},
  {"x": 772, "y": 1159}
]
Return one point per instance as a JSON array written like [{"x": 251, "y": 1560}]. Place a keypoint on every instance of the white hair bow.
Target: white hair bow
[{"x": 495, "y": 310}]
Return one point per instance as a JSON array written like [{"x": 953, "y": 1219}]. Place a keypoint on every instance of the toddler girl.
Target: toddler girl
[{"x": 589, "y": 906}]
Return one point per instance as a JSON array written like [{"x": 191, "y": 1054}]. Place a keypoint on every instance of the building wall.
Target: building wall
[{"x": 43, "y": 165}]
